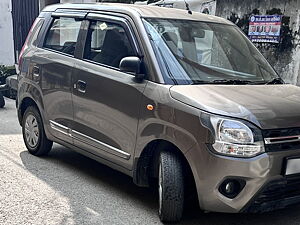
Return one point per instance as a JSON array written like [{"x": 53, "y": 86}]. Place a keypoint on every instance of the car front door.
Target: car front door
[{"x": 106, "y": 101}]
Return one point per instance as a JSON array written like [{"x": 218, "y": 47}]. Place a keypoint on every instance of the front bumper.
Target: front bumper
[
  {"x": 266, "y": 187},
  {"x": 277, "y": 194}
]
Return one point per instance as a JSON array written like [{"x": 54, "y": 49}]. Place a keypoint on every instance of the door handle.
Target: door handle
[
  {"x": 80, "y": 86},
  {"x": 36, "y": 71}
]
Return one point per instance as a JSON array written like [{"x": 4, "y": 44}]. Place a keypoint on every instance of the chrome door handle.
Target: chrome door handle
[{"x": 80, "y": 86}]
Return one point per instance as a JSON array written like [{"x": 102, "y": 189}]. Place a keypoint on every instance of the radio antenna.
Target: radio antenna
[{"x": 187, "y": 6}]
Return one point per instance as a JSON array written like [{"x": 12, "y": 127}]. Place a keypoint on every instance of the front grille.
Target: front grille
[
  {"x": 282, "y": 139},
  {"x": 276, "y": 195},
  {"x": 281, "y": 132}
]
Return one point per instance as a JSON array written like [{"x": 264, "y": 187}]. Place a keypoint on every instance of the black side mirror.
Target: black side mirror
[{"x": 131, "y": 64}]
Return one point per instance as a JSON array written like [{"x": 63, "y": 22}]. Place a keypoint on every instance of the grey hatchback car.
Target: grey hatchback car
[{"x": 182, "y": 99}]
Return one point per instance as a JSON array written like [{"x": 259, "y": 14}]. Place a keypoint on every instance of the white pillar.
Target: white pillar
[{"x": 6, "y": 34}]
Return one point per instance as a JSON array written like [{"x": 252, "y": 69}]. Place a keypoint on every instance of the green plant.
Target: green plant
[{"x": 6, "y": 71}]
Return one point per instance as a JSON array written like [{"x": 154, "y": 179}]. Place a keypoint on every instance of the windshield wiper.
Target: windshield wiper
[
  {"x": 277, "y": 80},
  {"x": 224, "y": 81},
  {"x": 201, "y": 82}
]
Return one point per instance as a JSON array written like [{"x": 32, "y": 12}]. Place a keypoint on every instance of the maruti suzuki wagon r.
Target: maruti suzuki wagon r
[{"x": 183, "y": 99}]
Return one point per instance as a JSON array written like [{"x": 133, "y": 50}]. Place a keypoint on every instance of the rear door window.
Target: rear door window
[
  {"x": 107, "y": 43},
  {"x": 62, "y": 35}
]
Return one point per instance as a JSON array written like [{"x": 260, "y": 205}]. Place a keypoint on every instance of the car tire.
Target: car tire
[
  {"x": 34, "y": 133},
  {"x": 2, "y": 101},
  {"x": 170, "y": 187}
]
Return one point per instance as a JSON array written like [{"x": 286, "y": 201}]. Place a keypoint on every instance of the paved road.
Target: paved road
[{"x": 68, "y": 188}]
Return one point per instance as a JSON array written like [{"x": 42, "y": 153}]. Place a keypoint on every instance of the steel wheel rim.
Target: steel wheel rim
[
  {"x": 32, "y": 132},
  {"x": 160, "y": 188}
]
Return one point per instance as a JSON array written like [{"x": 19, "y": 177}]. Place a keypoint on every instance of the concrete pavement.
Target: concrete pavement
[{"x": 68, "y": 188}]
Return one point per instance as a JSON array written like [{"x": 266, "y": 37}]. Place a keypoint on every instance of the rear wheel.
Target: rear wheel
[
  {"x": 170, "y": 187},
  {"x": 34, "y": 134},
  {"x": 2, "y": 101}
]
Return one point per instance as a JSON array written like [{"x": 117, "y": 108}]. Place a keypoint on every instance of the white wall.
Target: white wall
[{"x": 6, "y": 34}]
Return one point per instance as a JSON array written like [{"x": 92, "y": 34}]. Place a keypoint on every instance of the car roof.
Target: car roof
[{"x": 145, "y": 11}]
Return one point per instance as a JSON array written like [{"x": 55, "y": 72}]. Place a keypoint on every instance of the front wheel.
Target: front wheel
[
  {"x": 170, "y": 187},
  {"x": 34, "y": 134}
]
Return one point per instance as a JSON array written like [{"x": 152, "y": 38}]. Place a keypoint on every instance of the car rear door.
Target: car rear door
[
  {"x": 52, "y": 68},
  {"x": 106, "y": 101}
]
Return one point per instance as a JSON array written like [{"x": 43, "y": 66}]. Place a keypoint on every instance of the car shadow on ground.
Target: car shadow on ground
[{"x": 90, "y": 185}]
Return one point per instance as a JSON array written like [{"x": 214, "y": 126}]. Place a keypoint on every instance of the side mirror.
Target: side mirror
[{"x": 130, "y": 64}]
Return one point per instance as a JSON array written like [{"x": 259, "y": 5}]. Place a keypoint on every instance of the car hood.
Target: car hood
[{"x": 267, "y": 106}]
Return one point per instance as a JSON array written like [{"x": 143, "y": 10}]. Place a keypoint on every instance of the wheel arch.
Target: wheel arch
[
  {"x": 24, "y": 104},
  {"x": 146, "y": 165}
]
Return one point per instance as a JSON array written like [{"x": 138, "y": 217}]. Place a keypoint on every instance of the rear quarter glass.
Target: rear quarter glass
[
  {"x": 31, "y": 39},
  {"x": 36, "y": 31}
]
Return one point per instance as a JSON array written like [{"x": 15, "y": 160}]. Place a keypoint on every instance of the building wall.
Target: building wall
[
  {"x": 6, "y": 34},
  {"x": 285, "y": 56},
  {"x": 23, "y": 15}
]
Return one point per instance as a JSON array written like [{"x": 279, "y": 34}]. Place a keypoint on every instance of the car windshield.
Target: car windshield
[{"x": 193, "y": 52}]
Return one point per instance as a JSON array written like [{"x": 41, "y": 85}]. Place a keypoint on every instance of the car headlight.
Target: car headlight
[{"x": 235, "y": 138}]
